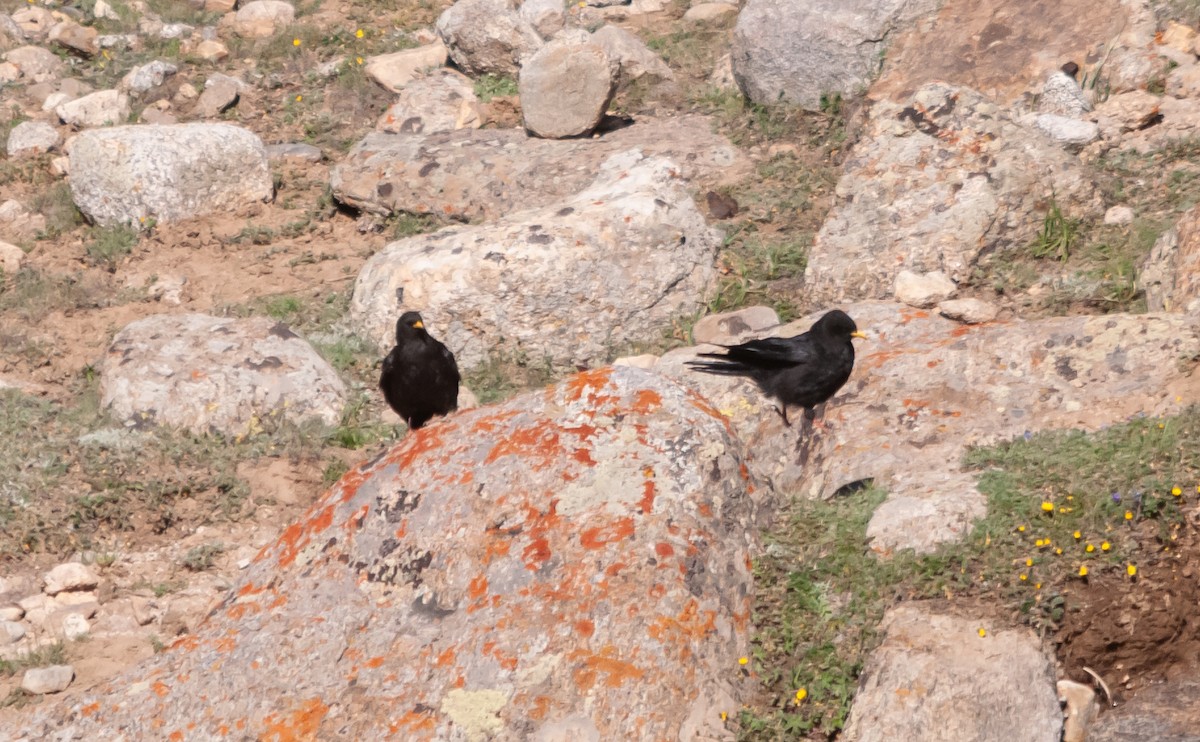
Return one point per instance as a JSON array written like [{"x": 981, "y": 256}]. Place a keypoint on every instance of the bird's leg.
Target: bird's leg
[
  {"x": 804, "y": 442},
  {"x": 819, "y": 423},
  {"x": 782, "y": 410}
]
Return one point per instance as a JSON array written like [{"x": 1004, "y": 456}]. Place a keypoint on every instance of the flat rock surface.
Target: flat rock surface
[
  {"x": 216, "y": 374},
  {"x": 935, "y": 679},
  {"x": 924, "y": 388},
  {"x": 484, "y": 174},
  {"x": 570, "y": 565}
]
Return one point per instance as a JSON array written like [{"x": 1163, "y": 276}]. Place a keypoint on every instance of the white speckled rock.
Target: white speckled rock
[
  {"x": 565, "y": 283},
  {"x": 69, "y": 576},
  {"x": 102, "y": 108},
  {"x": 566, "y": 87},
  {"x": 211, "y": 373},
  {"x": 43, "y": 680},
  {"x": 129, "y": 173},
  {"x": 487, "y": 36},
  {"x": 262, "y": 18},
  {"x": 32, "y": 138},
  {"x": 970, "y": 311}
]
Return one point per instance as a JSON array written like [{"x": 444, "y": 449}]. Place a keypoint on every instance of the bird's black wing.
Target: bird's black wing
[
  {"x": 757, "y": 355},
  {"x": 451, "y": 364}
]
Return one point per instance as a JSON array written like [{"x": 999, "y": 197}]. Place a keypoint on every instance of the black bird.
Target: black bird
[
  {"x": 420, "y": 377},
  {"x": 803, "y": 371}
]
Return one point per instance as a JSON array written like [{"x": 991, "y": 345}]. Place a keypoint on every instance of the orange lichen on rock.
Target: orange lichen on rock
[
  {"x": 161, "y": 689},
  {"x": 300, "y": 724},
  {"x": 595, "y": 538},
  {"x": 592, "y": 665},
  {"x": 691, "y": 625}
]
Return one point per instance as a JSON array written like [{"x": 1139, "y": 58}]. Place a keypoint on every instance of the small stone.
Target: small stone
[
  {"x": 32, "y": 138},
  {"x": 168, "y": 289},
  {"x": 1071, "y": 133},
  {"x": 61, "y": 166},
  {"x": 143, "y": 609},
  {"x": 11, "y": 632},
  {"x": 393, "y": 71},
  {"x": 1118, "y": 215},
  {"x": 565, "y": 88},
  {"x": 147, "y": 77},
  {"x": 119, "y": 41},
  {"x": 175, "y": 31},
  {"x": 709, "y": 12},
  {"x": 219, "y": 6},
  {"x": 11, "y": 612},
  {"x": 923, "y": 290},
  {"x": 70, "y": 626},
  {"x": 185, "y": 93},
  {"x": 211, "y": 50},
  {"x": 80, "y": 601},
  {"x": 220, "y": 94},
  {"x": 968, "y": 311},
  {"x": 733, "y": 327},
  {"x": 35, "y": 63},
  {"x": 262, "y": 18},
  {"x": 54, "y": 100},
  {"x": 294, "y": 151},
  {"x": 1178, "y": 36},
  {"x": 546, "y": 16},
  {"x": 103, "y": 10},
  {"x": 42, "y": 680},
  {"x": 1080, "y": 712},
  {"x": 103, "y": 108},
  {"x": 75, "y": 37},
  {"x": 69, "y": 576},
  {"x": 34, "y": 21},
  {"x": 645, "y": 361}
]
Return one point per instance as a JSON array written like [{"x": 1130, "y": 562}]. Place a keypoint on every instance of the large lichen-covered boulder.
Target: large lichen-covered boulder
[
  {"x": 217, "y": 374},
  {"x": 567, "y": 283},
  {"x": 934, "y": 183},
  {"x": 125, "y": 174},
  {"x": 924, "y": 388},
  {"x": 570, "y": 565}
]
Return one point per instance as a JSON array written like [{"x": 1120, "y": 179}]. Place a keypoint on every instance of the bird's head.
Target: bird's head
[
  {"x": 837, "y": 323},
  {"x": 410, "y": 324}
]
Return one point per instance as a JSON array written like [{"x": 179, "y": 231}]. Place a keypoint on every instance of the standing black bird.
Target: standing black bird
[
  {"x": 804, "y": 370},
  {"x": 420, "y": 378}
]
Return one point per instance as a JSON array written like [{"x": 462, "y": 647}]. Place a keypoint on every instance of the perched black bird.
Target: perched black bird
[
  {"x": 420, "y": 378},
  {"x": 803, "y": 371}
]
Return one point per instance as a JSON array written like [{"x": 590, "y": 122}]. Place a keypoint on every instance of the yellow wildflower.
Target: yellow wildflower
[
  {"x": 295, "y": 42},
  {"x": 1047, "y": 506},
  {"x": 743, "y": 660},
  {"x": 1132, "y": 570},
  {"x": 358, "y": 34},
  {"x": 1105, "y": 546},
  {"x": 1128, "y": 515},
  {"x": 801, "y": 695},
  {"x": 1077, "y": 535},
  {"x": 1083, "y": 571},
  {"x": 1176, "y": 491},
  {"x": 983, "y": 632},
  {"x": 1090, "y": 548}
]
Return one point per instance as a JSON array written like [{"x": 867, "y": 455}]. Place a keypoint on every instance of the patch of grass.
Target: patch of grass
[
  {"x": 347, "y": 353},
  {"x": 820, "y": 597},
  {"x": 357, "y": 429},
  {"x": 58, "y": 206},
  {"x": 503, "y": 375},
  {"x": 109, "y": 244},
  {"x": 201, "y": 558},
  {"x": 32, "y": 294},
  {"x": 1120, "y": 489},
  {"x": 1057, "y": 502},
  {"x": 254, "y": 234},
  {"x": 51, "y": 654},
  {"x": 1056, "y": 236},
  {"x": 406, "y": 224},
  {"x": 334, "y": 471},
  {"x": 122, "y": 481},
  {"x": 494, "y": 86},
  {"x": 282, "y": 307}
]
